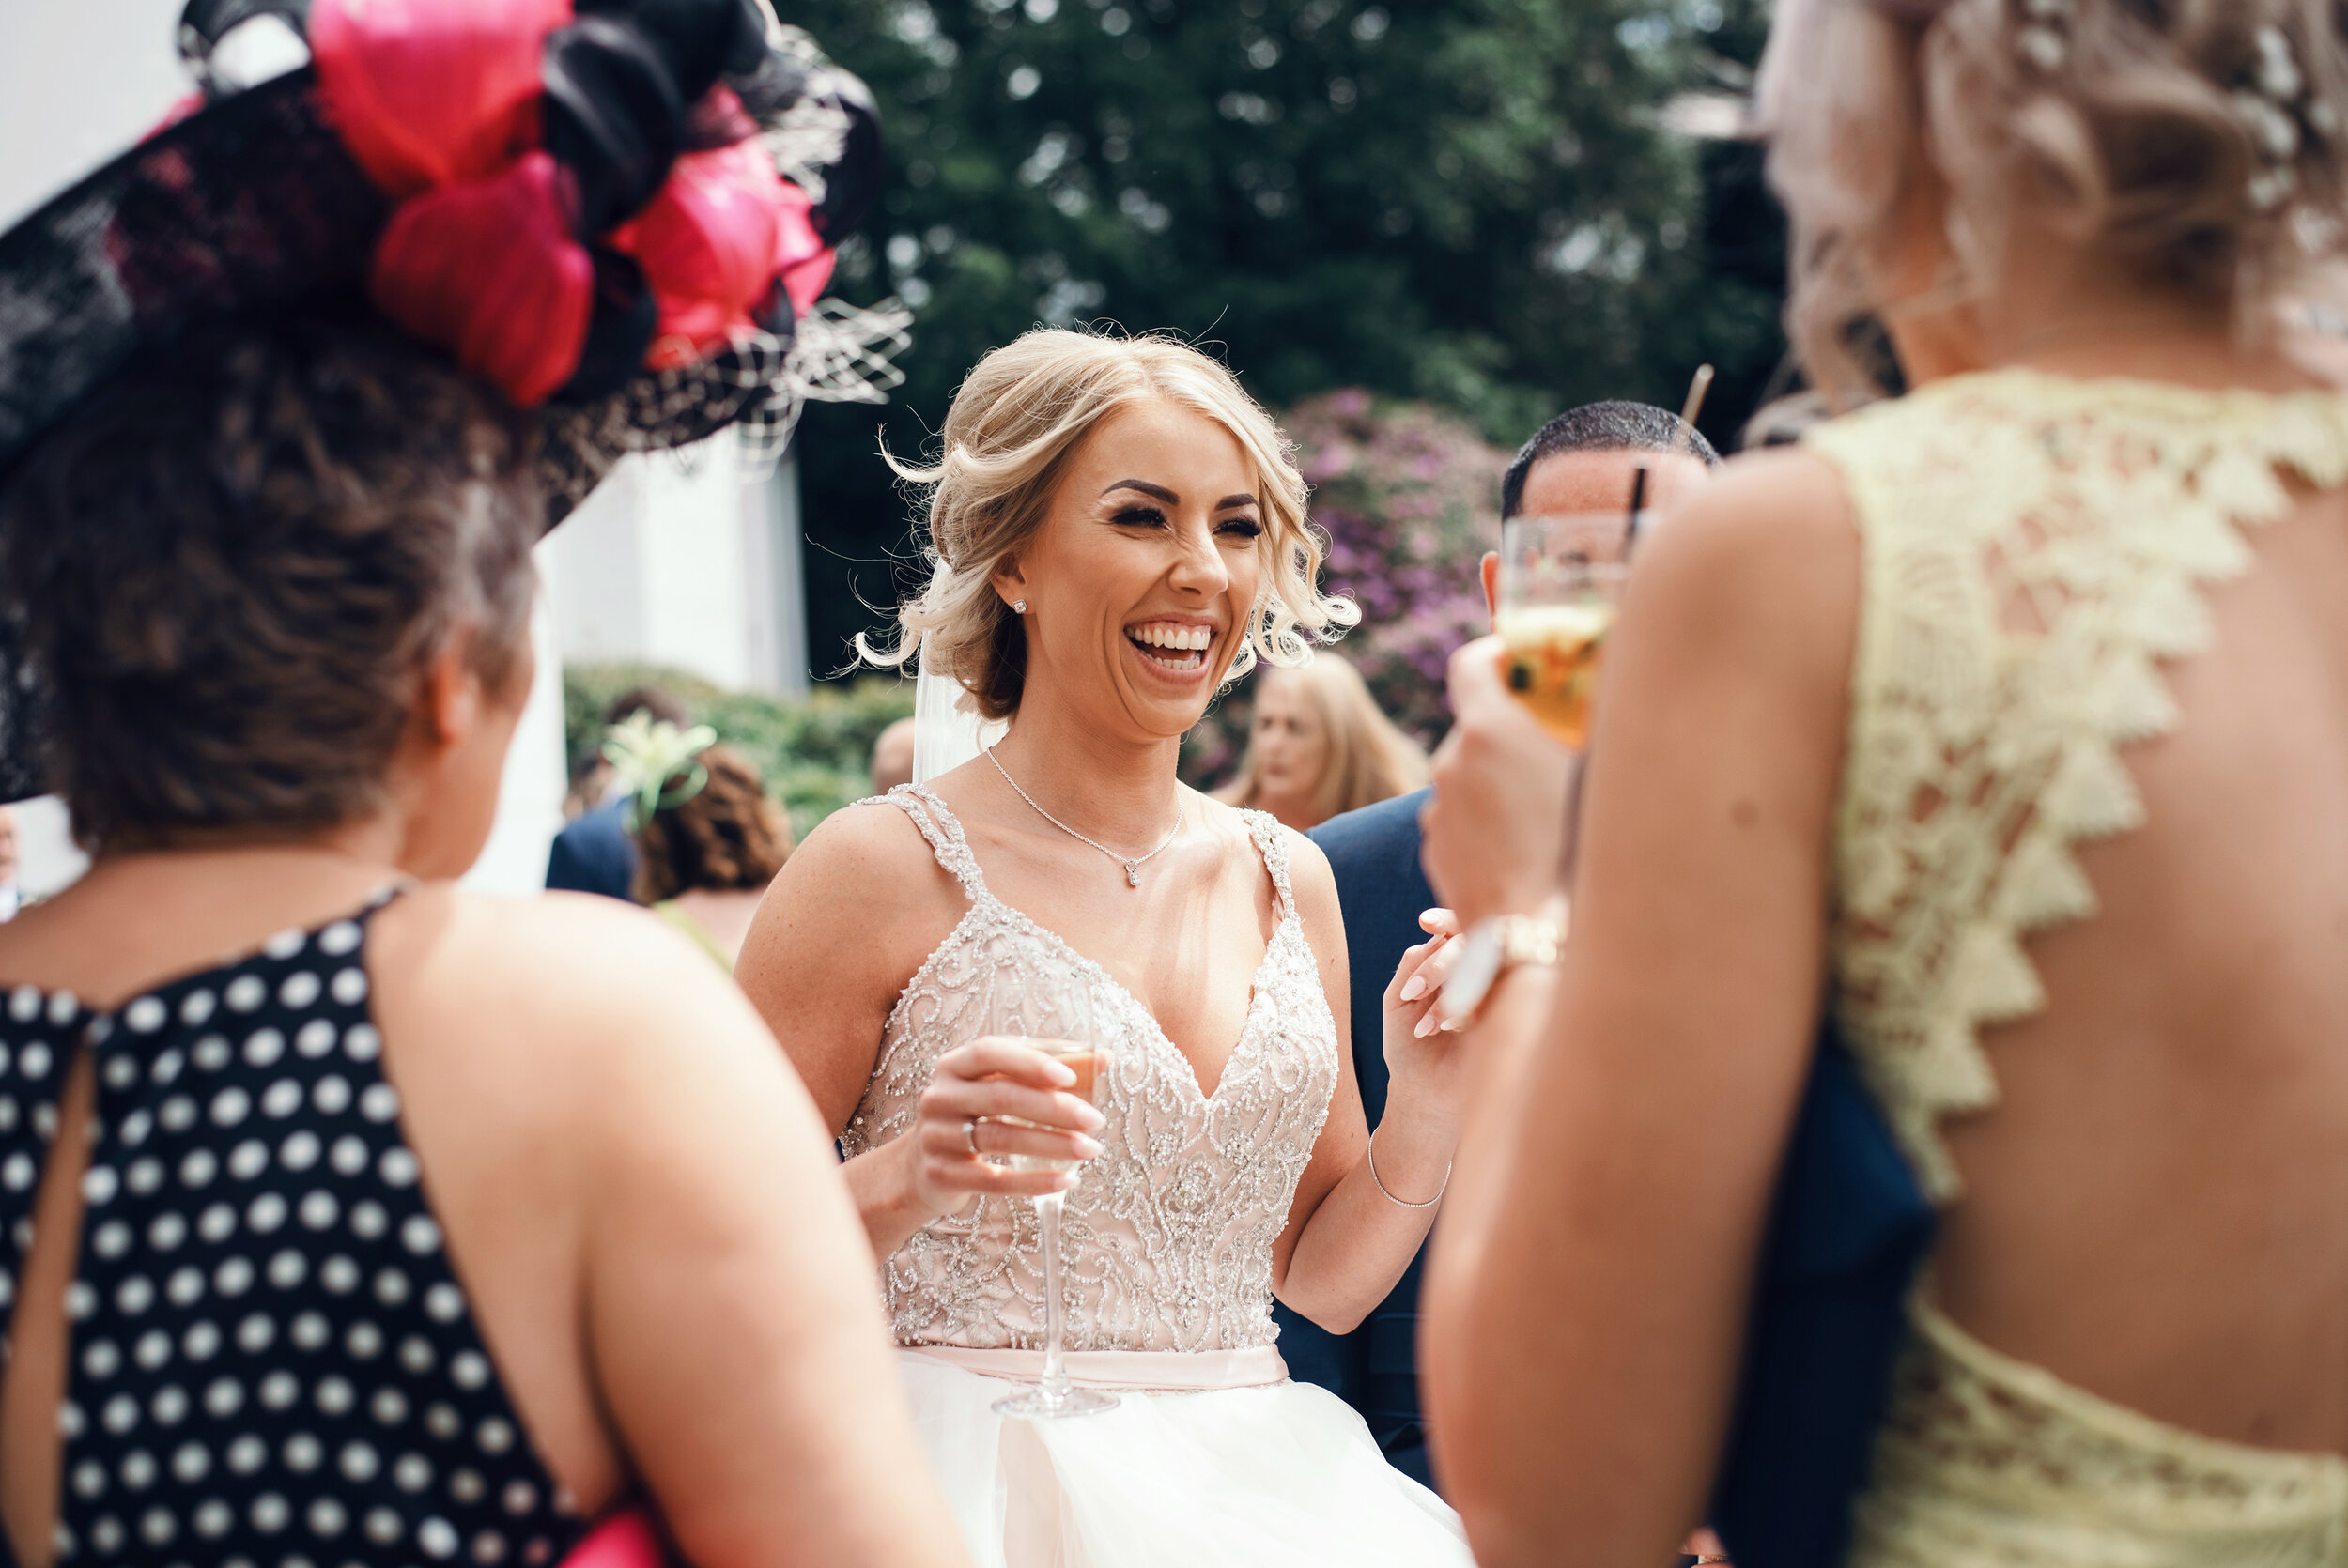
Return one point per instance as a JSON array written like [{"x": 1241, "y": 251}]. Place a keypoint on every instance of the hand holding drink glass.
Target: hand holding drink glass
[
  {"x": 988, "y": 1101},
  {"x": 1010, "y": 1115},
  {"x": 1561, "y": 581},
  {"x": 1055, "y": 1396}
]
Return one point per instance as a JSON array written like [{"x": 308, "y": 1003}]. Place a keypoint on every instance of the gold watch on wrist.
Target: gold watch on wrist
[{"x": 1490, "y": 949}]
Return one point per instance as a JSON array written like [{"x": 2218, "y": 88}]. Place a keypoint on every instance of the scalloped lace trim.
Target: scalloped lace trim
[{"x": 2034, "y": 546}]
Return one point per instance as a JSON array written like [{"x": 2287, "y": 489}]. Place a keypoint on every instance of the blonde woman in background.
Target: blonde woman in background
[
  {"x": 1319, "y": 746},
  {"x": 1116, "y": 526}
]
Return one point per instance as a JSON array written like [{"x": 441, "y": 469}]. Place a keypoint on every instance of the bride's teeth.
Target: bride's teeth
[{"x": 1174, "y": 639}]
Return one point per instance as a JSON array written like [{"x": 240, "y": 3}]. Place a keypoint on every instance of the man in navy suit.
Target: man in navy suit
[{"x": 1582, "y": 461}]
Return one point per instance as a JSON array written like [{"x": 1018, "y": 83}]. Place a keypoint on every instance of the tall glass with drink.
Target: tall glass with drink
[
  {"x": 1055, "y": 1396},
  {"x": 1561, "y": 579}
]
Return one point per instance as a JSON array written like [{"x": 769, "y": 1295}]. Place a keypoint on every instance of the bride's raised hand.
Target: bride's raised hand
[
  {"x": 1420, "y": 1047},
  {"x": 990, "y": 1098}
]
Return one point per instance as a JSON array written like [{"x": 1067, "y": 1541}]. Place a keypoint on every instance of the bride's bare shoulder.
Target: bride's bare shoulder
[{"x": 867, "y": 854}]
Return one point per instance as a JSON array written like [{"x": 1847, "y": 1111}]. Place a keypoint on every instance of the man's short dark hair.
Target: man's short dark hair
[{"x": 1603, "y": 427}]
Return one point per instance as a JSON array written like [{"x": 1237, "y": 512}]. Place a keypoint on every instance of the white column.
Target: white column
[
  {"x": 537, "y": 771},
  {"x": 656, "y": 568},
  {"x": 772, "y": 542}
]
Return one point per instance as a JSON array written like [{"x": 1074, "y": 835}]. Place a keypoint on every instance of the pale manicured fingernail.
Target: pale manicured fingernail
[
  {"x": 1427, "y": 1025},
  {"x": 1428, "y": 917},
  {"x": 1062, "y": 1073},
  {"x": 1088, "y": 1148},
  {"x": 1414, "y": 987}
]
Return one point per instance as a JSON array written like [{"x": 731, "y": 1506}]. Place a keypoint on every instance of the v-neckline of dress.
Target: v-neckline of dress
[
  {"x": 1247, "y": 1030},
  {"x": 982, "y": 896}
]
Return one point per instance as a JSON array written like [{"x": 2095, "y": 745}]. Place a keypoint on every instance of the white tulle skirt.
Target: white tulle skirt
[{"x": 1213, "y": 1461}]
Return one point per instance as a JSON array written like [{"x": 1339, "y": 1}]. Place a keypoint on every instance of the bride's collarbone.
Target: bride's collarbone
[{"x": 1187, "y": 943}]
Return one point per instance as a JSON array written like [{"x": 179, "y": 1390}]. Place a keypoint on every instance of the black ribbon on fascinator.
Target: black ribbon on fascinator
[
  {"x": 627, "y": 90},
  {"x": 611, "y": 117}
]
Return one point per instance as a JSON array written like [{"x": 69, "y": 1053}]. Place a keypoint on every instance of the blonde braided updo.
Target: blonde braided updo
[{"x": 2196, "y": 145}]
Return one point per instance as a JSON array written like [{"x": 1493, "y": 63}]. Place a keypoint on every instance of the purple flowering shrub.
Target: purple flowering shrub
[{"x": 1409, "y": 499}]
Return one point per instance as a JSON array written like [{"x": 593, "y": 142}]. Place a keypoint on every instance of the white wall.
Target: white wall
[
  {"x": 80, "y": 80},
  {"x": 537, "y": 771},
  {"x": 48, "y": 860},
  {"x": 678, "y": 560}
]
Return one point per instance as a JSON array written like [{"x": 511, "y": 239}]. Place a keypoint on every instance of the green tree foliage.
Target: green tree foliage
[{"x": 1474, "y": 202}]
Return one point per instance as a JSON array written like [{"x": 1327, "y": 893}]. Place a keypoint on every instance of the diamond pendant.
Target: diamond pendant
[{"x": 1133, "y": 873}]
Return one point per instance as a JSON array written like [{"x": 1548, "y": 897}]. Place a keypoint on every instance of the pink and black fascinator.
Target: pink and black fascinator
[{"x": 620, "y": 212}]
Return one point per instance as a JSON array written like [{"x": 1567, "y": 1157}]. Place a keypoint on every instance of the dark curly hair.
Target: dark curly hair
[
  {"x": 233, "y": 565},
  {"x": 726, "y": 835}
]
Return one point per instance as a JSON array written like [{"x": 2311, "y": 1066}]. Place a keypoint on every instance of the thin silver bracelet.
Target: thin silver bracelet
[{"x": 1403, "y": 1202}]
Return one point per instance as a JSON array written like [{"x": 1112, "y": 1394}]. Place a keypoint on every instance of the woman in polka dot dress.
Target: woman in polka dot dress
[{"x": 350, "y": 1218}]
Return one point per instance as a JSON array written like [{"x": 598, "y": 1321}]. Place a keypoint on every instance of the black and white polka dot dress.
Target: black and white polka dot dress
[{"x": 272, "y": 1364}]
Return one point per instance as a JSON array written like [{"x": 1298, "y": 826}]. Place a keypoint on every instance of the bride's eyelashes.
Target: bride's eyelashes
[{"x": 1242, "y": 527}]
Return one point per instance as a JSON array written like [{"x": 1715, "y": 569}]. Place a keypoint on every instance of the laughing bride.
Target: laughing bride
[{"x": 1117, "y": 529}]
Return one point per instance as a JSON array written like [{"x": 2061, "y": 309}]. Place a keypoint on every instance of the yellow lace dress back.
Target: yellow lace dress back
[{"x": 2033, "y": 547}]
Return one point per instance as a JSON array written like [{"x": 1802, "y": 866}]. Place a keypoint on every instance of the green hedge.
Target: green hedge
[{"x": 815, "y": 751}]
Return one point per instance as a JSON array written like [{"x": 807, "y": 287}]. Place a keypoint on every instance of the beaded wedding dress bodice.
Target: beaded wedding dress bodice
[
  {"x": 1168, "y": 1239},
  {"x": 2033, "y": 547}
]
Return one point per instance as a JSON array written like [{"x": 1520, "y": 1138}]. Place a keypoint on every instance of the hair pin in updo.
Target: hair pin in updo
[
  {"x": 2045, "y": 37},
  {"x": 2273, "y": 107}
]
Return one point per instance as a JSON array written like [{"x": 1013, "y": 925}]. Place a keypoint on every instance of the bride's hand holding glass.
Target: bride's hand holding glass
[{"x": 991, "y": 1099}]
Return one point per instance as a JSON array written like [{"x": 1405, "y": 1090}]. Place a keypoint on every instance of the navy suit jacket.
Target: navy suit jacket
[
  {"x": 1381, "y": 890},
  {"x": 593, "y": 854}
]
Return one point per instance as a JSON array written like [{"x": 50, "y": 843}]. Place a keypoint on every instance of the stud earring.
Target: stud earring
[{"x": 1019, "y": 606}]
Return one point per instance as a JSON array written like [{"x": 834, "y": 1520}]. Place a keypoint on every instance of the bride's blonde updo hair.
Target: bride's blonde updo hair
[
  {"x": 1019, "y": 416},
  {"x": 2196, "y": 145}
]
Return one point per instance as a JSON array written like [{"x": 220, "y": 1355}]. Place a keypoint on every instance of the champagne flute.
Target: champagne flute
[
  {"x": 1055, "y": 1396},
  {"x": 1561, "y": 579}
]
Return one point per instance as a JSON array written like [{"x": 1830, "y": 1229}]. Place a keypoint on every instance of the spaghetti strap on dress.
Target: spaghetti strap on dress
[{"x": 1212, "y": 1456}]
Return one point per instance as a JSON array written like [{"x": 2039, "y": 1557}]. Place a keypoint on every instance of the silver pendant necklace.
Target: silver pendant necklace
[{"x": 1132, "y": 867}]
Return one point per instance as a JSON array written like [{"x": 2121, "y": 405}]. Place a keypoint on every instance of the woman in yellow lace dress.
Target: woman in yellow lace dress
[{"x": 2009, "y": 720}]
